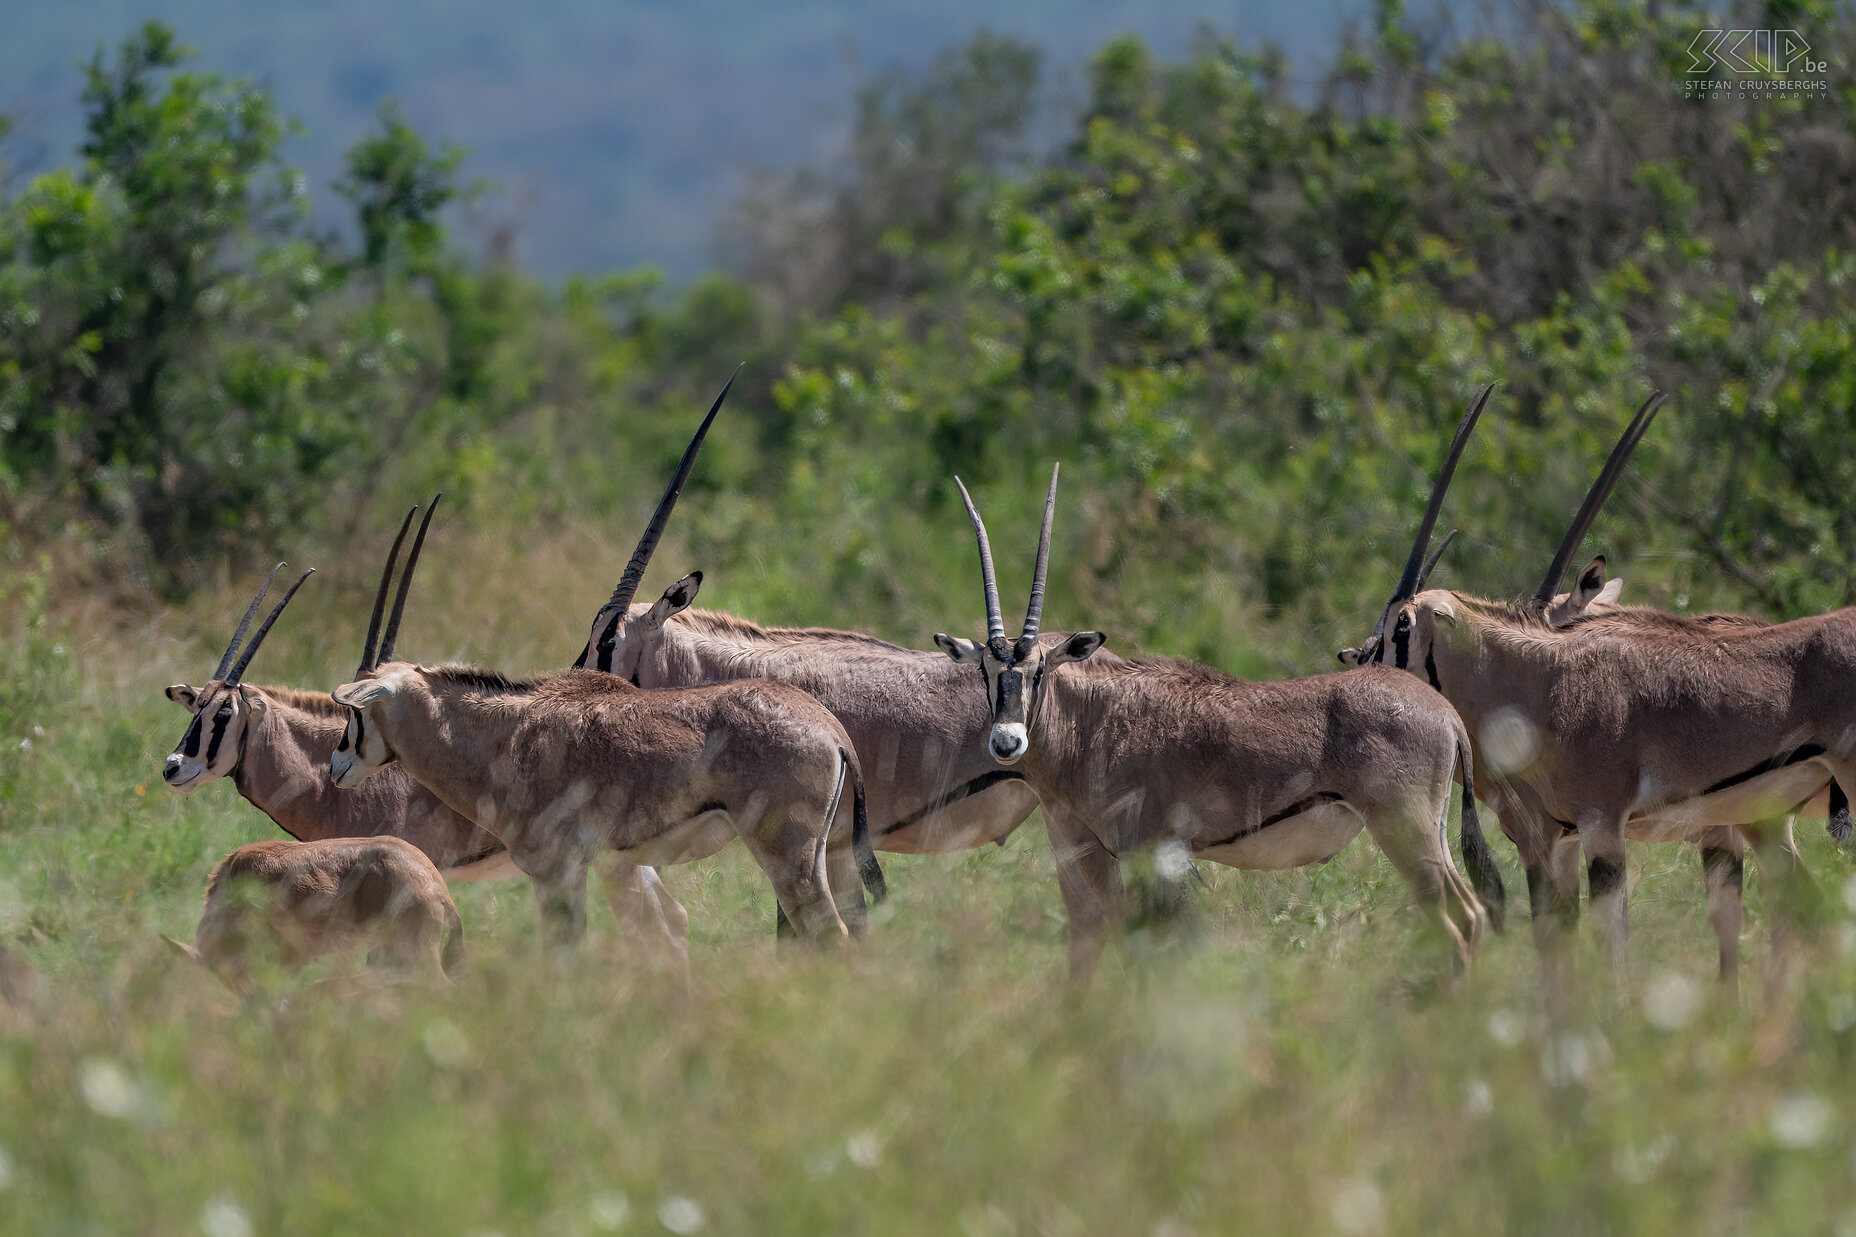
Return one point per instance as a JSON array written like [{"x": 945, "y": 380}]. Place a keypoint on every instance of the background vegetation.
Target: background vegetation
[{"x": 1243, "y": 314}]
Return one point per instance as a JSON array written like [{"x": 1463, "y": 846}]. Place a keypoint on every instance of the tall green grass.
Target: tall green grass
[{"x": 1290, "y": 1064}]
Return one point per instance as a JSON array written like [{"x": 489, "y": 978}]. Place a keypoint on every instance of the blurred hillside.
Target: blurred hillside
[
  {"x": 1242, "y": 308},
  {"x": 618, "y": 133}
]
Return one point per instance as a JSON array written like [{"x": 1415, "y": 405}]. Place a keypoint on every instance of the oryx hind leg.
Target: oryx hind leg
[
  {"x": 1412, "y": 834},
  {"x": 788, "y": 841},
  {"x": 654, "y": 923}
]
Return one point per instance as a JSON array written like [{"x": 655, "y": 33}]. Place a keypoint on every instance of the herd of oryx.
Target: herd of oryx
[{"x": 677, "y": 731}]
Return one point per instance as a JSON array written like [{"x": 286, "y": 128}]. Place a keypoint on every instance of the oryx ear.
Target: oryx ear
[
  {"x": 1609, "y": 594},
  {"x": 1349, "y": 657},
  {"x": 1079, "y": 647},
  {"x": 1591, "y": 584},
  {"x": 676, "y": 599},
  {"x": 961, "y": 650},
  {"x": 257, "y": 702},
  {"x": 360, "y": 695},
  {"x": 186, "y": 697},
  {"x": 1443, "y": 609}
]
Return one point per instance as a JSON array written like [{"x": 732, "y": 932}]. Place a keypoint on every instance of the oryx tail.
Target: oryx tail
[
  {"x": 867, "y": 866},
  {"x": 453, "y": 956},
  {"x": 1484, "y": 876}
]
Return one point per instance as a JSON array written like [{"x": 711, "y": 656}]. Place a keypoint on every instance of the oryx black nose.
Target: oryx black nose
[{"x": 172, "y": 769}]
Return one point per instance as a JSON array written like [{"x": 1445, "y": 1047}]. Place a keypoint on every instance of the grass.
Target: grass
[{"x": 1290, "y": 1068}]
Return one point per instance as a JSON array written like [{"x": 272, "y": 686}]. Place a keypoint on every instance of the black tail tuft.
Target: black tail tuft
[
  {"x": 867, "y": 866},
  {"x": 1484, "y": 876},
  {"x": 1839, "y": 812}
]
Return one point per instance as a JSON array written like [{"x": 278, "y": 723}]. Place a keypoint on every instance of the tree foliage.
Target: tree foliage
[{"x": 1244, "y": 314}]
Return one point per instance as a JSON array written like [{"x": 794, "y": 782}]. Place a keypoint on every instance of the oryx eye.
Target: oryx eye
[
  {"x": 1404, "y": 622},
  {"x": 225, "y": 711}
]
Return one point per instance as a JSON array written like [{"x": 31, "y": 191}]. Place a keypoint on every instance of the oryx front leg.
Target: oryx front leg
[
  {"x": 1089, "y": 877},
  {"x": 1602, "y": 837},
  {"x": 1723, "y": 866},
  {"x": 654, "y": 922},
  {"x": 559, "y": 877}
]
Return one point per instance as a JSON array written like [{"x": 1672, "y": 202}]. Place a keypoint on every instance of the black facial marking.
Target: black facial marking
[
  {"x": 607, "y": 639},
  {"x": 1603, "y": 877},
  {"x": 220, "y": 723},
  {"x": 1430, "y": 665},
  {"x": 1401, "y": 641},
  {"x": 1007, "y": 705},
  {"x": 190, "y": 742}
]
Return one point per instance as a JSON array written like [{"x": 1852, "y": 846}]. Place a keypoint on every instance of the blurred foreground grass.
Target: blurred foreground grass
[{"x": 1291, "y": 1069}]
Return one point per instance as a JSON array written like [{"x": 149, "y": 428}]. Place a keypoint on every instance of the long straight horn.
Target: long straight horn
[
  {"x": 380, "y": 597},
  {"x": 1034, "y": 613},
  {"x": 244, "y": 625},
  {"x": 1430, "y": 564},
  {"x": 399, "y": 598},
  {"x": 251, "y": 650},
  {"x": 1407, "y": 585},
  {"x": 1596, "y": 496},
  {"x": 995, "y": 621},
  {"x": 641, "y": 557}
]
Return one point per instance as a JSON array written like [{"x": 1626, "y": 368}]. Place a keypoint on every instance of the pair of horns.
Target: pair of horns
[
  {"x": 1418, "y": 568},
  {"x": 230, "y": 673},
  {"x": 654, "y": 531},
  {"x": 1595, "y": 497},
  {"x": 1034, "y": 612},
  {"x": 370, "y": 658}
]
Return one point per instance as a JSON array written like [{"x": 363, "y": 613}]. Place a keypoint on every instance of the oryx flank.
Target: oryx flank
[
  {"x": 1630, "y": 722},
  {"x": 1126, "y": 754},
  {"x": 565, "y": 767},
  {"x": 292, "y": 902}
]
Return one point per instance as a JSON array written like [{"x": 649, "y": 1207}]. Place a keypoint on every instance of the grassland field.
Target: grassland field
[{"x": 1288, "y": 1064}]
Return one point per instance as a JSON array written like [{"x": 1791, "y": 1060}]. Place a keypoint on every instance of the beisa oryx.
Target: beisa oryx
[
  {"x": 1550, "y": 849},
  {"x": 274, "y": 743},
  {"x": 1624, "y": 722},
  {"x": 567, "y": 767},
  {"x": 1130, "y": 754},
  {"x": 912, "y": 717},
  {"x": 292, "y": 902}
]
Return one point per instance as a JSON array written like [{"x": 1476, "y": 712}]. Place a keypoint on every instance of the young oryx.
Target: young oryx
[
  {"x": 295, "y": 901},
  {"x": 569, "y": 765},
  {"x": 1629, "y": 722},
  {"x": 273, "y": 742},
  {"x": 1126, "y": 754}
]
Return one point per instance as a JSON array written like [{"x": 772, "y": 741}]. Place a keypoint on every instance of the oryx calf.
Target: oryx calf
[
  {"x": 292, "y": 902},
  {"x": 1130, "y": 754}
]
